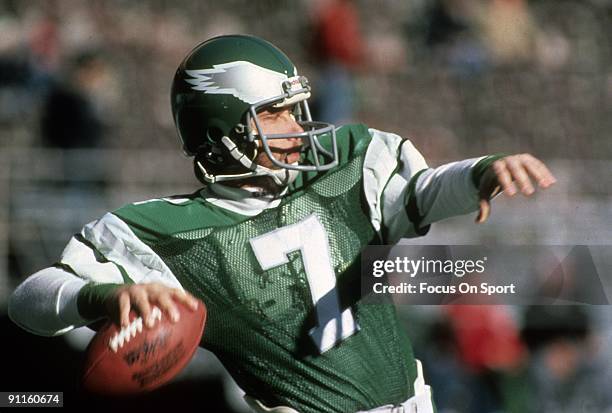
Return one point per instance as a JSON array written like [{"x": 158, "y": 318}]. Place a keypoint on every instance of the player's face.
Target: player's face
[{"x": 279, "y": 121}]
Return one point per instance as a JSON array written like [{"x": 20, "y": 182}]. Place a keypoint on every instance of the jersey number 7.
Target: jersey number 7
[{"x": 308, "y": 236}]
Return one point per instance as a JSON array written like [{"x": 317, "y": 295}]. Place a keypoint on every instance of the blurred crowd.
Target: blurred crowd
[
  {"x": 457, "y": 76},
  {"x": 85, "y": 124}
]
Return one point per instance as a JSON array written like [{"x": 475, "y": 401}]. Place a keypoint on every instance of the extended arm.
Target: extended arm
[
  {"x": 405, "y": 196},
  {"x": 462, "y": 187}
]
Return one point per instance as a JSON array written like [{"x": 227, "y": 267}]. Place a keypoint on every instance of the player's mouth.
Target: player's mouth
[{"x": 288, "y": 156}]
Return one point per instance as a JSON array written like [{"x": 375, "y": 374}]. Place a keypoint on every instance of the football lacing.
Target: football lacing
[{"x": 126, "y": 333}]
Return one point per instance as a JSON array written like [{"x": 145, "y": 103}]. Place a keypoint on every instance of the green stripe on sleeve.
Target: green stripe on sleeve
[
  {"x": 102, "y": 259},
  {"x": 412, "y": 209},
  {"x": 383, "y": 228},
  {"x": 91, "y": 298}
]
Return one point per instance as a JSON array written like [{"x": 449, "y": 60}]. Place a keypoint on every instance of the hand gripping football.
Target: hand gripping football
[{"x": 136, "y": 359}]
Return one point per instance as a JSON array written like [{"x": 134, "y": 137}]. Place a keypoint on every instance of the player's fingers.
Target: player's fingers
[
  {"x": 140, "y": 299},
  {"x": 539, "y": 171},
  {"x": 484, "y": 211},
  {"x": 518, "y": 172},
  {"x": 184, "y": 297},
  {"x": 124, "y": 308},
  {"x": 503, "y": 176},
  {"x": 167, "y": 306}
]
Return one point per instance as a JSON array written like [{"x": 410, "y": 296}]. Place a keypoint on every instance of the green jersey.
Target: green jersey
[
  {"x": 282, "y": 290},
  {"x": 280, "y": 276}
]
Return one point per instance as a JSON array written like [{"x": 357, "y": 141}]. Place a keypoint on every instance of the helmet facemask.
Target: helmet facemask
[{"x": 296, "y": 91}]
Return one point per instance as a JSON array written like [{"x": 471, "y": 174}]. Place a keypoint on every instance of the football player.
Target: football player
[{"x": 271, "y": 244}]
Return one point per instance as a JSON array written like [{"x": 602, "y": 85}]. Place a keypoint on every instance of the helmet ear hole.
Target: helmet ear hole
[{"x": 214, "y": 134}]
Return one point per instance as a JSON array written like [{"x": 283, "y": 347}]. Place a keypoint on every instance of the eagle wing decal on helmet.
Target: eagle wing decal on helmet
[{"x": 244, "y": 80}]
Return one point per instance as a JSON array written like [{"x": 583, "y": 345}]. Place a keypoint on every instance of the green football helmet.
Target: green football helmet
[{"x": 217, "y": 92}]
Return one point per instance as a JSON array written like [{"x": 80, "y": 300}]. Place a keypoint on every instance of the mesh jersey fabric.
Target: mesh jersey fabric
[{"x": 259, "y": 320}]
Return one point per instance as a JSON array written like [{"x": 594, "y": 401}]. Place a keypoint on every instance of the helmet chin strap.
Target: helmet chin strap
[{"x": 281, "y": 177}]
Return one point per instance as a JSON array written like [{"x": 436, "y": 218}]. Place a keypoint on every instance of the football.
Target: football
[{"x": 137, "y": 359}]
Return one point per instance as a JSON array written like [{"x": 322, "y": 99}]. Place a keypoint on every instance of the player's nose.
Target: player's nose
[{"x": 295, "y": 127}]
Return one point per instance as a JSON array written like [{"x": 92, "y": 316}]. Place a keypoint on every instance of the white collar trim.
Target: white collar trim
[{"x": 246, "y": 202}]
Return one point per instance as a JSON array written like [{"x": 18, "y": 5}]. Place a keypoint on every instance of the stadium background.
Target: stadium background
[{"x": 85, "y": 127}]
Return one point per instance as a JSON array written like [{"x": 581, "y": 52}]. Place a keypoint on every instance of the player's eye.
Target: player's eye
[{"x": 266, "y": 115}]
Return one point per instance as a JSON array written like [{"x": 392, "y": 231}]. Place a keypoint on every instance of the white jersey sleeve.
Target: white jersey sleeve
[
  {"x": 404, "y": 195},
  {"x": 446, "y": 191},
  {"x": 106, "y": 251},
  {"x": 389, "y": 165}
]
